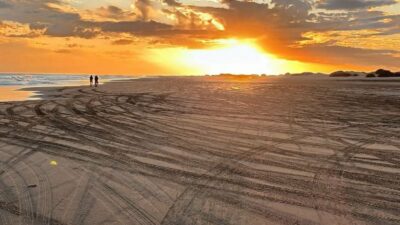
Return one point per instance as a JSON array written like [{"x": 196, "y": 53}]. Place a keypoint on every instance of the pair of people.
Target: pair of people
[{"x": 96, "y": 81}]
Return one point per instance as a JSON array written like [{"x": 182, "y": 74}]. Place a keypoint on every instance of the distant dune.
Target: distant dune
[{"x": 378, "y": 73}]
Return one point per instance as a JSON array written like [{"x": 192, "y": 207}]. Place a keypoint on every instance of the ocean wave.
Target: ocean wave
[{"x": 46, "y": 79}]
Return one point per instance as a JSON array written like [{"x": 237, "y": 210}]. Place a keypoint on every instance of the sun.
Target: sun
[{"x": 233, "y": 56}]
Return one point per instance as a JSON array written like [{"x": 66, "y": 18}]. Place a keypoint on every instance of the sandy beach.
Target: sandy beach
[{"x": 202, "y": 150}]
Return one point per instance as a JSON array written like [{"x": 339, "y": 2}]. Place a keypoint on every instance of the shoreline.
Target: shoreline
[
  {"x": 41, "y": 90},
  {"x": 38, "y": 92}
]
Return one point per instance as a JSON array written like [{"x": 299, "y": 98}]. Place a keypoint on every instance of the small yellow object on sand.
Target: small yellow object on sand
[{"x": 53, "y": 163}]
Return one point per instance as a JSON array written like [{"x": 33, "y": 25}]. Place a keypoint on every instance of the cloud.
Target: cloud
[
  {"x": 353, "y": 4},
  {"x": 145, "y": 28},
  {"x": 280, "y": 23},
  {"x": 61, "y": 20},
  {"x": 4, "y": 4},
  {"x": 15, "y": 29},
  {"x": 337, "y": 55},
  {"x": 122, "y": 42},
  {"x": 192, "y": 19},
  {"x": 172, "y": 3},
  {"x": 356, "y": 56},
  {"x": 144, "y": 8},
  {"x": 108, "y": 13}
]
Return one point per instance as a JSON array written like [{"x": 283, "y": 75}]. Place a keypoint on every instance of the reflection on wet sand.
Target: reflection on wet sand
[
  {"x": 15, "y": 93},
  {"x": 29, "y": 92}
]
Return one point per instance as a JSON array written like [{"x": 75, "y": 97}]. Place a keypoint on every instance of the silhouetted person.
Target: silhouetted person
[
  {"x": 96, "y": 81},
  {"x": 91, "y": 80}
]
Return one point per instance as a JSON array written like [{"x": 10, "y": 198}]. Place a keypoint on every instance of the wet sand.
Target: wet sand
[{"x": 203, "y": 151}]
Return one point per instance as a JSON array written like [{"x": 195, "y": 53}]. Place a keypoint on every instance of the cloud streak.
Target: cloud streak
[{"x": 353, "y": 4}]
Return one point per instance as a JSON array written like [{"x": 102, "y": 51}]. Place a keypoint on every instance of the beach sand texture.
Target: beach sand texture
[{"x": 177, "y": 151}]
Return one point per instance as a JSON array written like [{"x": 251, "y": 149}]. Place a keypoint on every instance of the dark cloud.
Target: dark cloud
[
  {"x": 122, "y": 42},
  {"x": 336, "y": 55},
  {"x": 139, "y": 27},
  {"x": 172, "y": 3},
  {"x": 353, "y": 4},
  {"x": 4, "y": 4},
  {"x": 355, "y": 56},
  {"x": 114, "y": 10}
]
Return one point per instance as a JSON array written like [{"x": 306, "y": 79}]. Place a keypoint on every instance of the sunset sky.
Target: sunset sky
[{"x": 198, "y": 37}]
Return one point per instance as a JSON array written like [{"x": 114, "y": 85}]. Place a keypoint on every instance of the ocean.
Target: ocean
[{"x": 12, "y": 86}]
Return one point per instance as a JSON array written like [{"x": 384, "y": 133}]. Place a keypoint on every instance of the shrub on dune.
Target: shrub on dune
[
  {"x": 341, "y": 74},
  {"x": 384, "y": 73}
]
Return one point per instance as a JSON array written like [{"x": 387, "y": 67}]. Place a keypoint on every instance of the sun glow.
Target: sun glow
[
  {"x": 235, "y": 57},
  {"x": 227, "y": 56},
  {"x": 231, "y": 56}
]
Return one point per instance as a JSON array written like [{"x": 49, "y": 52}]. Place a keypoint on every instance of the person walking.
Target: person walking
[
  {"x": 96, "y": 81},
  {"x": 91, "y": 80}
]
